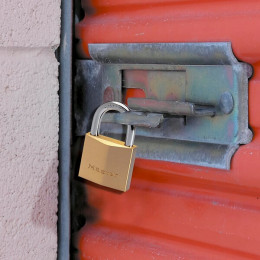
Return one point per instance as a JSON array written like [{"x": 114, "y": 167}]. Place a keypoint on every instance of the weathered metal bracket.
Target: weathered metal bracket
[{"x": 199, "y": 90}]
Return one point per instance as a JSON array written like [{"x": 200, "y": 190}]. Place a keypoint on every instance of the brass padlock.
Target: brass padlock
[{"x": 107, "y": 161}]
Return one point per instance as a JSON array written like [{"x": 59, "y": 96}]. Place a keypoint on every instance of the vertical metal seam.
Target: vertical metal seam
[{"x": 65, "y": 105}]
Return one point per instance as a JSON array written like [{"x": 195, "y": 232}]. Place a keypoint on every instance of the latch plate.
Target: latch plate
[{"x": 201, "y": 89}]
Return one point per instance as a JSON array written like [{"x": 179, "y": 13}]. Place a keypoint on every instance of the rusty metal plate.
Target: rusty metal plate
[{"x": 198, "y": 76}]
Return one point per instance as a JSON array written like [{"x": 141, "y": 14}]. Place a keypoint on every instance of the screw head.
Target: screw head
[{"x": 226, "y": 103}]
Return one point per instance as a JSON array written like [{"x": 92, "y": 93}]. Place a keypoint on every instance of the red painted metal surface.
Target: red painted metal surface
[{"x": 176, "y": 211}]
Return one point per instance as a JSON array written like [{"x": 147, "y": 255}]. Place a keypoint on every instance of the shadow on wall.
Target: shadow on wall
[{"x": 46, "y": 206}]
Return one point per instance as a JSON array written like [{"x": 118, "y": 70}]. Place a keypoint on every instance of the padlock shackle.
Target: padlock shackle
[{"x": 116, "y": 106}]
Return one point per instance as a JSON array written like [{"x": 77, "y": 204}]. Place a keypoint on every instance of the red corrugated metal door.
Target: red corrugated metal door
[{"x": 177, "y": 211}]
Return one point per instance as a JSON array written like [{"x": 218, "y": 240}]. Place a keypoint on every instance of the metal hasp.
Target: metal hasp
[{"x": 198, "y": 90}]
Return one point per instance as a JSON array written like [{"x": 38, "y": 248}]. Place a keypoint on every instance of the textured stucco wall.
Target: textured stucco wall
[{"x": 29, "y": 34}]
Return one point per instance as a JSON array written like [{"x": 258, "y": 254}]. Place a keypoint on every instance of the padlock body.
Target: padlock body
[{"x": 107, "y": 161}]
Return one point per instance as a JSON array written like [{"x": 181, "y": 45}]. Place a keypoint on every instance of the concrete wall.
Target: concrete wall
[{"x": 29, "y": 34}]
